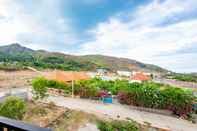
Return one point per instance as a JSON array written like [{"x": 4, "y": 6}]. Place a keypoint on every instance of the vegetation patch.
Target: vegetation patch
[
  {"x": 183, "y": 77},
  {"x": 146, "y": 94},
  {"x": 13, "y": 107},
  {"x": 117, "y": 126},
  {"x": 41, "y": 85}
]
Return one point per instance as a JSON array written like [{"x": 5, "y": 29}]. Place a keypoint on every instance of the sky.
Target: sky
[{"x": 160, "y": 32}]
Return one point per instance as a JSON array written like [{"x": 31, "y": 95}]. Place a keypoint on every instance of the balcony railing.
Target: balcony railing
[{"x": 13, "y": 125}]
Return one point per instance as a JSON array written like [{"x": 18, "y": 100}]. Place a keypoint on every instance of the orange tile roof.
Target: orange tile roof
[
  {"x": 66, "y": 76},
  {"x": 140, "y": 76}
]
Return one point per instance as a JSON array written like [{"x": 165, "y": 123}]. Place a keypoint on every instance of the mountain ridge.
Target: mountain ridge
[{"x": 15, "y": 52}]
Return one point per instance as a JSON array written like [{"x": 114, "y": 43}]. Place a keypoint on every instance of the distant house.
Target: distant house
[
  {"x": 101, "y": 71},
  {"x": 109, "y": 78},
  {"x": 124, "y": 73},
  {"x": 67, "y": 76},
  {"x": 139, "y": 77},
  {"x": 105, "y": 77}
]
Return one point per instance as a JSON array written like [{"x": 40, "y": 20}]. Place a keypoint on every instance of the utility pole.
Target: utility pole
[{"x": 72, "y": 88}]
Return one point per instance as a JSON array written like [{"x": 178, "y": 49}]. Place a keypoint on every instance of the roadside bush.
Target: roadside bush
[
  {"x": 151, "y": 95},
  {"x": 178, "y": 100},
  {"x": 13, "y": 107},
  {"x": 58, "y": 85},
  {"x": 119, "y": 86},
  {"x": 146, "y": 94},
  {"x": 123, "y": 98},
  {"x": 86, "y": 89},
  {"x": 41, "y": 85},
  {"x": 39, "y": 88},
  {"x": 117, "y": 126}
]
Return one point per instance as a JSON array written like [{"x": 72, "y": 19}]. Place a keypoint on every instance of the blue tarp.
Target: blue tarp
[{"x": 107, "y": 100}]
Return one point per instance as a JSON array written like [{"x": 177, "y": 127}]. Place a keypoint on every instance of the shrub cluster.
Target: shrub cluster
[
  {"x": 41, "y": 85},
  {"x": 147, "y": 94},
  {"x": 153, "y": 96},
  {"x": 13, "y": 107}
]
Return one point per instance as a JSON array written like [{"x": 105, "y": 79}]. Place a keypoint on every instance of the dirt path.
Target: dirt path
[{"x": 112, "y": 111}]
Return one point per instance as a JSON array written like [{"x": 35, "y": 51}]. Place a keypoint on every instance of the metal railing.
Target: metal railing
[{"x": 7, "y": 124}]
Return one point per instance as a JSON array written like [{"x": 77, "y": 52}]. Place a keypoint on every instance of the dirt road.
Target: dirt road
[{"x": 113, "y": 110}]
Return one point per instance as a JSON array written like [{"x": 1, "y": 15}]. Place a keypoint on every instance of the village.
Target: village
[
  {"x": 98, "y": 65},
  {"x": 98, "y": 93}
]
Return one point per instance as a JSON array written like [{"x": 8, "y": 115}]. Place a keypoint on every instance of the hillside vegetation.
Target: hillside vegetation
[
  {"x": 183, "y": 77},
  {"x": 15, "y": 56}
]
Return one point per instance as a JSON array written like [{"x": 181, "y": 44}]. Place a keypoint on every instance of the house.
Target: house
[
  {"x": 105, "y": 77},
  {"x": 67, "y": 76},
  {"x": 109, "y": 78},
  {"x": 139, "y": 77},
  {"x": 124, "y": 73},
  {"x": 101, "y": 71}
]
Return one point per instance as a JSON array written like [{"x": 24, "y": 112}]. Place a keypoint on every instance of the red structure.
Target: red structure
[{"x": 139, "y": 76}]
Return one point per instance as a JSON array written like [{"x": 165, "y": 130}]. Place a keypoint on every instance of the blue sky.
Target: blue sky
[{"x": 161, "y": 32}]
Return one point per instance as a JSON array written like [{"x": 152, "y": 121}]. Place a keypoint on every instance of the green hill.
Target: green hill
[{"x": 18, "y": 56}]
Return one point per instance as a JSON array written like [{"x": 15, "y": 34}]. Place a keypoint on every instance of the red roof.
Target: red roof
[{"x": 140, "y": 76}]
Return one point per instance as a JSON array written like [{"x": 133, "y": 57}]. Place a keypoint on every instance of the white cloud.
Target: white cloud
[
  {"x": 142, "y": 38},
  {"x": 38, "y": 24}
]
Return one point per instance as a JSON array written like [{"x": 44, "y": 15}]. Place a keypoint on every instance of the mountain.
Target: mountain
[
  {"x": 44, "y": 59},
  {"x": 126, "y": 64},
  {"x": 14, "y": 49}
]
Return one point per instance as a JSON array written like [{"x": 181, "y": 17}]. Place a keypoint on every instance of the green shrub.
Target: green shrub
[
  {"x": 59, "y": 85},
  {"x": 146, "y": 94},
  {"x": 13, "y": 107},
  {"x": 85, "y": 88},
  {"x": 178, "y": 100},
  {"x": 153, "y": 96},
  {"x": 41, "y": 85},
  {"x": 119, "y": 86},
  {"x": 39, "y": 88},
  {"x": 117, "y": 126}
]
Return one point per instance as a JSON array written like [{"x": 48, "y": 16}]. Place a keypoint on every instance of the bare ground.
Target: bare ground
[{"x": 16, "y": 79}]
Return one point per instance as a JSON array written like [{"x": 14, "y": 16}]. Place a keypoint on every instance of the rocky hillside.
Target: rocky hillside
[{"x": 43, "y": 59}]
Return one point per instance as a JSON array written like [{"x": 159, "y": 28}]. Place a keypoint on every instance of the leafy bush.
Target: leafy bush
[
  {"x": 13, "y": 107},
  {"x": 85, "y": 88},
  {"x": 117, "y": 126},
  {"x": 153, "y": 96},
  {"x": 147, "y": 94},
  {"x": 178, "y": 100},
  {"x": 120, "y": 85},
  {"x": 39, "y": 88},
  {"x": 41, "y": 85},
  {"x": 58, "y": 85}
]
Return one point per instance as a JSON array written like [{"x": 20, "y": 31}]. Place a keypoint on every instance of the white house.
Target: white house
[{"x": 124, "y": 73}]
